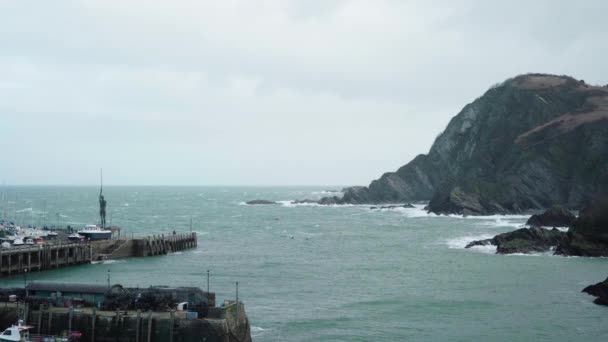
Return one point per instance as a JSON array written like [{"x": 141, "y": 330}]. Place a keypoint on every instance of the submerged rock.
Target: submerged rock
[
  {"x": 305, "y": 201},
  {"x": 407, "y": 205},
  {"x": 524, "y": 240},
  {"x": 555, "y": 217},
  {"x": 599, "y": 290},
  {"x": 261, "y": 202}
]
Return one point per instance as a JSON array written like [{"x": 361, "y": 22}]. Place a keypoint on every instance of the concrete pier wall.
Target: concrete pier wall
[
  {"x": 50, "y": 256},
  {"x": 106, "y": 326},
  {"x": 42, "y": 257}
]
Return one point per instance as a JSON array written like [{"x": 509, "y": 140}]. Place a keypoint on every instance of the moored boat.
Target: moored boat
[
  {"x": 20, "y": 333},
  {"x": 93, "y": 232},
  {"x": 75, "y": 237}
]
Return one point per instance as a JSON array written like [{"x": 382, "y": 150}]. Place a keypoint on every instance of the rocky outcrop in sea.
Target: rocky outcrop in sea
[
  {"x": 556, "y": 216},
  {"x": 599, "y": 290},
  {"x": 528, "y": 143},
  {"x": 587, "y": 236}
]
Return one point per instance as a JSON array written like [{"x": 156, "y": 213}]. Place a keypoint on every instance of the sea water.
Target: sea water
[{"x": 333, "y": 273}]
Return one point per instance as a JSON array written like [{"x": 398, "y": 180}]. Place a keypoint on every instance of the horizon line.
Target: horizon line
[{"x": 178, "y": 185}]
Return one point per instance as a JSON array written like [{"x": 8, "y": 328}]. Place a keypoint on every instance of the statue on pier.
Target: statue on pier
[
  {"x": 102, "y": 203},
  {"x": 102, "y": 210}
]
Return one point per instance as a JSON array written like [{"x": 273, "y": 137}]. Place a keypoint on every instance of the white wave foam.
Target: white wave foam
[
  {"x": 327, "y": 193},
  {"x": 461, "y": 242},
  {"x": 290, "y": 204},
  {"x": 257, "y": 329},
  {"x": 501, "y": 222},
  {"x": 109, "y": 262}
]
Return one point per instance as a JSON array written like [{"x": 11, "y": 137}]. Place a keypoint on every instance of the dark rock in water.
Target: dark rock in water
[
  {"x": 555, "y": 217},
  {"x": 524, "y": 240},
  {"x": 599, "y": 290},
  {"x": 356, "y": 195},
  {"x": 588, "y": 235},
  {"x": 407, "y": 205},
  {"x": 330, "y": 200},
  {"x": 261, "y": 202},
  {"x": 305, "y": 201}
]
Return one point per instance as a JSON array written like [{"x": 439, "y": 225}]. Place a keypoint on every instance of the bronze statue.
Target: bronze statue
[
  {"x": 102, "y": 210},
  {"x": 102, "y": 203}
]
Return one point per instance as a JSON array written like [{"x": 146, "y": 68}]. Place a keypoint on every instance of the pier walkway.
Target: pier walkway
[{"x": 54, "y": 255}]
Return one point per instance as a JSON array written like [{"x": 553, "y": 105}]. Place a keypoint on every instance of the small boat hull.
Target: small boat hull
[{"x": 96, "y": 235}]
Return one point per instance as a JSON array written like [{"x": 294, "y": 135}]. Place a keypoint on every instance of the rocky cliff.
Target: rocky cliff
[{"x": 531, "y": 142}]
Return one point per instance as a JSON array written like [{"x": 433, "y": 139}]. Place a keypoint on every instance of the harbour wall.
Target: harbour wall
[{"x": 225, "y": 324}]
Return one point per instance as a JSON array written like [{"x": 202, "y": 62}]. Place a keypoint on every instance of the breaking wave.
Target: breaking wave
[{"x": 461, "y": 242}]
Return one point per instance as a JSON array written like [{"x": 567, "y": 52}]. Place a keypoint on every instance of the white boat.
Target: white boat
[
  {"x": 20, "y": 333},
  {"x": 75, "y": 237},
  {"x": 93, "y": 232},
  {"x": 29, "y": 241},
  {"x": 17, "y": 332},
  {"x": 6, "y": 244},
  {"x": 18, "y": 241},
  {"x": 51, "y": 235}
]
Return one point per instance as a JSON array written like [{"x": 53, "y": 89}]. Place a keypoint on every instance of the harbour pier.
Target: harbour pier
[
  {"x": 43, "y": 257},
  {"x": 52, "y": 255}
]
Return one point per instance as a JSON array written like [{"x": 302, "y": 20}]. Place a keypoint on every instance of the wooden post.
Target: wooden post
[
  {"x": 149, "y": 337},
  {"x": 50, "y": 325},
  {"x": 39, "y": 318},
  {"x": 70, "y": 315},
  {"x": 93, "y": 319},
  {"x": 137, "y": 325},
  {"x": 172, "y": 313}
]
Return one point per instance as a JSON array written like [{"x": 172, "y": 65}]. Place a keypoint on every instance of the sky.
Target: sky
[{"x": 291, "y": 92}]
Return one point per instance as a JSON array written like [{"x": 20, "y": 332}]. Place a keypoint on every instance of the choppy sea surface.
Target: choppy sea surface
[{"x": 340, "y": 273}]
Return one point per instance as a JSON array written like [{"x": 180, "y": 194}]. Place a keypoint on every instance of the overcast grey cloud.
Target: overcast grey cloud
[{"x": 262, "y": 92}]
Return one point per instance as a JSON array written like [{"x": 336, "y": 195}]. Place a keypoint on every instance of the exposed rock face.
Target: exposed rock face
[
  {"x": 261, "y": 202},
  {"x": 525, "y": 240},
  {"x": 599, "y": 290},
  {"x": 554, "y": 217},
  {"x": 588, "y": 235},
  {"x": 528, "y": 143}
]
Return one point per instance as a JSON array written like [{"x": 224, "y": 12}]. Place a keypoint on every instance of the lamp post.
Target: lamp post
[
  {"x": 108, "y": 278},
  {"x": 207, "y": 286}
]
